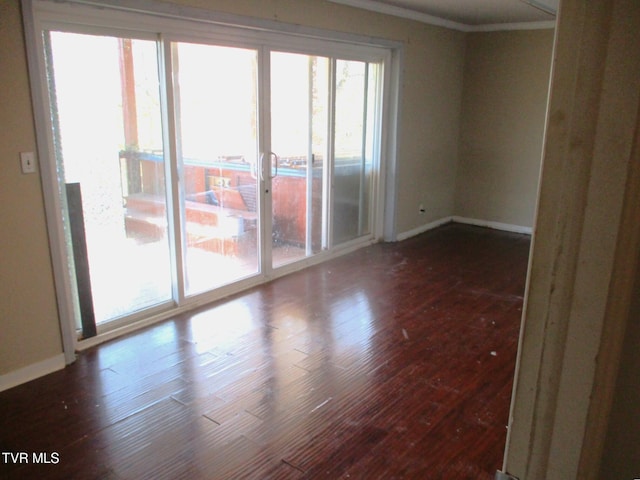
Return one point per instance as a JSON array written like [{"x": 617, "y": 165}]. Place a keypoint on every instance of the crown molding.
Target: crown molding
[
  {"x": 496, "y": 27},
  {"x": 401, "y": 12}
]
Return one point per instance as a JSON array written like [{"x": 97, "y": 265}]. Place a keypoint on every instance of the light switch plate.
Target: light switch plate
[{"x": 28, "y": 162}]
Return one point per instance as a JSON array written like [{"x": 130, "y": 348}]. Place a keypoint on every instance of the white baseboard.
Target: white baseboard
[
  {"x": 423, "y": 228},
  {"x": 31, "y": 372},
  {"x": 506, "y": 227}
]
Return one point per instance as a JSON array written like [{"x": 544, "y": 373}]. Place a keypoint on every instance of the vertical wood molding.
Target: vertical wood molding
[
  {"x": 617, "y": 317},
  {"x": 590, "y": 132}
]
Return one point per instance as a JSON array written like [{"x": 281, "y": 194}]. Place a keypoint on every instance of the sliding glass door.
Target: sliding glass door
[
  {"x": 355, "y": 148},
  {"x": 189, "y": 167},
  {"x": 324, "y": 117},
  {"x": 299, "y": 103},
  {"x": 107, "y": 135},
  {"x": 216, "y": 111}
]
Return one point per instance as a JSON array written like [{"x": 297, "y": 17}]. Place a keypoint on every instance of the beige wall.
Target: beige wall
[
  {"x": 428, "y": 143},
  {"x": 504, "y": 101},
  {"x": 29, "y": 328},
  {"x": 432, "y": 80}
]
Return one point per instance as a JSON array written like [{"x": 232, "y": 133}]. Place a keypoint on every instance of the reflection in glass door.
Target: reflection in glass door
[
  {"x": 216, "y": 121},
  {"x": 107, "y": 135}
]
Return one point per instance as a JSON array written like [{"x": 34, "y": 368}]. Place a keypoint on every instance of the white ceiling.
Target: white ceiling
[{"x": 467, "y": 15}]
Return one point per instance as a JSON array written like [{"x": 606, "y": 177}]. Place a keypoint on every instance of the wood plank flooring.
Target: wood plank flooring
[{"x": 394, "y": 362}]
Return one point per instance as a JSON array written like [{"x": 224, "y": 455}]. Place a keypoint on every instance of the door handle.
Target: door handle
[{"x": 276, "y": 161}]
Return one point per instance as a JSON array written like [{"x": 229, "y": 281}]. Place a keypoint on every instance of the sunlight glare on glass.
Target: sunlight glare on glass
[
  {"x": 127, "y": 274},
  {"x": 217, "y": 101},
  {"x": 290, "y": 103}
]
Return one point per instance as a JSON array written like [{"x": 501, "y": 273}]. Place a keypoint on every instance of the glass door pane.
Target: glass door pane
[
  {"x": 354, "y": 148},
  {"x": 104, "y": 96},
  {"x": 299, "y": 113},
  {"x": 216, "y": 118}
]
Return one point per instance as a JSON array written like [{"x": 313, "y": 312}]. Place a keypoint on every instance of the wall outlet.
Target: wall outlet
[{"x": 28, "y": 162}]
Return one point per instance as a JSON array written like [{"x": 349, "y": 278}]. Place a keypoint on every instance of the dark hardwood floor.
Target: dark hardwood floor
[{"x": 394, "y": 362}]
